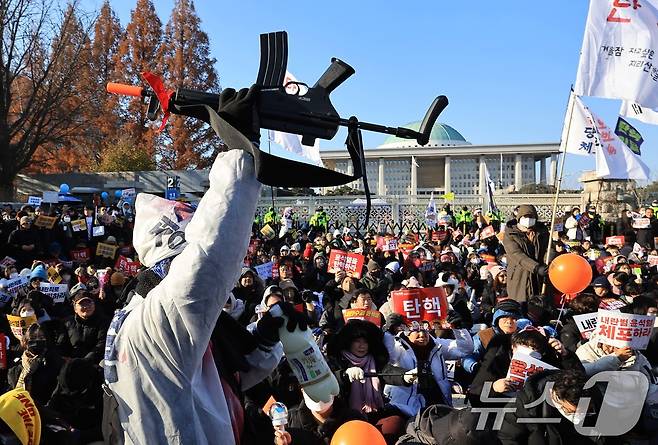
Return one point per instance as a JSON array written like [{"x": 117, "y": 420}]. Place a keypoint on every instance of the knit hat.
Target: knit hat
[
  {"x": 393, "y": 266},
  {"x": 372, "y": 265},
  {"x": 506, "y": 308},
  {"x": 296, "y": 247},
  {"x": 527, "y": 210},
  {"x": 117, "y": 279},
  {"x": 40, "y": 273},
  {"x": 18, "y": 411}
]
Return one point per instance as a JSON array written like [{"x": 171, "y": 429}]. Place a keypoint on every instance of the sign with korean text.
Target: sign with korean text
[
  {"x": 268, "y": 232},
  {"x": 16, "y": 285},
  {"x": 126, "y": 266},
  {"x": 586, "y": 324},
  {"x": 128, "y": 194},
  {"x": 79, "y": 225},
  {"x": 611, "y": 304},
  {"x": 45, "y": 222},
  {"x": 523, "y": 366},
  {"x": 19, "y": 325},
  {"x": 389, "y": 244},
  {"x": 624, "y": 330},
  {"x": 264, "y": 271},
  {"x": 487, "y": 232},
  {"x": 351, "y": 263},
  {"x": 106, "y": 250},
  {"x": 81, "y": 255},
  {"x": 370, "y": 315},
  {"x": 57, "y": 292},
  {"x": 615, "y": 241},
  {"x": 421, "y": 304},
  {"x": 54, "y": 276},
  {"x": 7, "y": 261},
  {"x": 254, "y": 244},
  {"x": 439, "y": 235},
  {"x": 34, "y": 201},
  {"x": 641, "y": 223},
  {"x": 98, "y": 231}
]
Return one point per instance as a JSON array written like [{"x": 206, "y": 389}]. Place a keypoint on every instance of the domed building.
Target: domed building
[{"x": 448, "y": 163}]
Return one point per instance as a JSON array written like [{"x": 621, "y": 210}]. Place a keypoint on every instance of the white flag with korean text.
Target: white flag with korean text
[
  {"x": 617, "y": 56},
  {"x": 614, "y": 160},
  {"x": 635, "y": 111},
  {"x": 579, "y": 136},
  {"x": 293, "y": 142}
]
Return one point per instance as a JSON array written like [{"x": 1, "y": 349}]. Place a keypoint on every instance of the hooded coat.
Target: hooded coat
[{"x": 523, "y": 258}]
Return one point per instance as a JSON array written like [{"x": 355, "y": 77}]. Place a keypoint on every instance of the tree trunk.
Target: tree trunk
[{"x": 7, "y": 189}]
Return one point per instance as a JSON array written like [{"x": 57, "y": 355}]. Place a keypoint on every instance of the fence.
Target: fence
[{"x": 398, "y": 213}]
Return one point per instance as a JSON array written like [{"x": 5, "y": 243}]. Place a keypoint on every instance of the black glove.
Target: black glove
[
  {"x": 455, "y": 319},
  {"x": 542, "y": 270},
  {"x": 295, "y": 319},
  {"x": 267, "y": 329},
  {"x": 239, "y": 110},
  {"x": 308, "y": 296}
]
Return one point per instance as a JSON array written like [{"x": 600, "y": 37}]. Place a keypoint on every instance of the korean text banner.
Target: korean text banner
[
  {"x": 351, "y": 263},
  {"x": 523, "y": 366},
  {"x": 370, "y": 315},
  {"x": 421, "y": 304},
  {"x": 624, "y": 330},
  {"x": 616, "y": 60}
]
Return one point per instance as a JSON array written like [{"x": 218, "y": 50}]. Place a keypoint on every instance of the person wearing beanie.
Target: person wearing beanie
[
  {"x": 525, "y": 243},
  {"x": 249, "y": 289},
  {"x": 376, "y": 282},
  {"x": 316, "y": 276},
  {"x": 19, "y": 413},
  {"x": 38, "y": 276}
]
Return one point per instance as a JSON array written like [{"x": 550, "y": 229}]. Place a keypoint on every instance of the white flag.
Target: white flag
[
  {"x": 635, "y": 111},
  {"x": 617, "y": 58},
  {"x": 614, "y": 160},
  {"x": 579, "y": 136},
  {"x": 293, "y": 142}
]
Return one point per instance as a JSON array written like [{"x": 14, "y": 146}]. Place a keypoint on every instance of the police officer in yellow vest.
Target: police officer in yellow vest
[
  {"x": 270, "y": 217},
  {"x": 319, "y": 220},
  {"x": 464, "y": 219}
]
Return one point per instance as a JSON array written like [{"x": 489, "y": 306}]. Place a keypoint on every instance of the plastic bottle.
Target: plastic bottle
[
  {"x": 306, "y": 361},
  {"x": 279, "y": 415}
]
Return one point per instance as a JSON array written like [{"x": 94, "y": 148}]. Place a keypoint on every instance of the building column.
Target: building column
[
  {"x": 518, "y": 172},
  {"x": 553, "y": 171},
  {"x": 446, "y": 174},
  {"x": 414, "y": 177},
  {"x": 483, "y": 177},
  {"x": 542, "y": 171},
  {"x": 381, "y": 188}
]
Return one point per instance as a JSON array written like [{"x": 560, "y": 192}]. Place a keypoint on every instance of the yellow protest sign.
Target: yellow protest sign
[
  {"x": 79, "y": 225},
  {"x": 45, "y": 222},
  {"x": 54, "y": 276},
  {"x": 19, "y": 325},
  {"x": 268, "y": 232},
  {"x": 106, "y": 250}
]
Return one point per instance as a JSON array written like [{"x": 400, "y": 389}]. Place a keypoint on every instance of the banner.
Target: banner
[
  {"x": 45, "y": 222},
  {"x": 16, "y": 285},
  {"x": 19, "y": 325},
  {"x": 579, "y": 135},
  {"x": 523, "y": 366},
  {"x": 586, "y": 324},
  {"x": 264, "y": 271},
  {"x": 370, "y": 315},
  {"x": 81, "y": 255},
  {"x": 57, "y": 292},
  {"x": 7, "y": 261},
  {"x": 629, "y": 135},
  {"x": 635, "y": 111},
  {"x": 420, "y": 304},
  {"x": 615, "y": 160},
  {"x": 268, "y": 232},
  {"x": 79, "y": 225},
  {"x": 106, "y": 250},
  {"x": 351, "y": 263},
  {"x": 641, "y": 223},
  {"x": 616, "y": 60},
  {"x": 34, "y": 201},
  {"x": 615, "y": 241},
  {"x": 624, "y": 330}
]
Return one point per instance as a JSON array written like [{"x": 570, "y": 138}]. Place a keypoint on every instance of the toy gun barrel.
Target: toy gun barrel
[{"x": 126, "y": 90}]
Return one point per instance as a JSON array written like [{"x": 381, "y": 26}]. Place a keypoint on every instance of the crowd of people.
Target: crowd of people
[{"x": 423, "y": 381}]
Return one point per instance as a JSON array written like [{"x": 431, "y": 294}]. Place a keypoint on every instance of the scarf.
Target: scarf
[{"x": 364, "y": 397}]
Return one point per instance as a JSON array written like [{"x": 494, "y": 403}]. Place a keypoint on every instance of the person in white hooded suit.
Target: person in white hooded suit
[{"x": 158, "y": 362}]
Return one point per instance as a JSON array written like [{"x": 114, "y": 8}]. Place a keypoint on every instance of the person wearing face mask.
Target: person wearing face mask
[
  {"x": 39, "y": 364},
  {"x": 337, "y": 297},
  {"x": 316, "y": 275},
  {"x": 525, "y": 245},
  {"x": 378, "y": 284}
]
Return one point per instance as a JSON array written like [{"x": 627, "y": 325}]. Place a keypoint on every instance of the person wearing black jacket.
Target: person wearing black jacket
[
  {"x": 24, "y": 242},
  {"x": 86, "y": 330},
  {"x": 645, "y": 236},
  {"x": 570, "y": 334}
]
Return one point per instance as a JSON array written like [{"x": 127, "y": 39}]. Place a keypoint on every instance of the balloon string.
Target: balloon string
[{"x": 564, "y": 300}]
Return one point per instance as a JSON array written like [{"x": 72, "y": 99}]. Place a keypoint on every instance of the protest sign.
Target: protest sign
[
  {"x": 523, "y": 366},
  {"x": 487, "y": 232},
  {"x": 54, "y": 276},
  {"x": 254, "y": 244},
  {"x": 34, "y": 201},
  {"x": 264, "y": 271},
  {"x": 439, "y": 235},
  {"x": 79, "y": 225},
  {"x": 50, "y": 197},
  {"x": 387, "y": 243},
  {"x": 4, "y": 344},
  {"x": 641, "y": 223},
  {"x": 98, "y": 231},
  {"x": 370, "y": 315},
  {"x": 15, "y": 285},
  {"x": 57, "y": 292},
  {"x": 450, "y": 369},
  {"x": 615, "y": 241},
  {"x": 7, "y": 261},
  {"x": 405, "y": 248},
  {"x": 586, "y": 324},
  {"x": 611, "y": 304},
  {"x": 103, "y": 277},
  {"x": 268, "y": 232},
  {"x": 19, "y": 325},
  {"x": 490, "y": 259},
  {"x": 106, "y": 250},
  {"x": 624, "y": 330},
  {"x": 128, "y": 194},
  {"x": 126, "y": 266},
  {"x": 45, "y": 222},
  {"x": 421, "y": 304},
  {"x": 81, "y": 255},
  {"x": 351, "y": 263},
  {"x": 652, "y": 260}
]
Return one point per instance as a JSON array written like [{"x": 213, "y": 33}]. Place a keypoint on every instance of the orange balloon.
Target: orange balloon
[
  {"x": 357, "y": 432},
  {"x": 570, "y": 273}
]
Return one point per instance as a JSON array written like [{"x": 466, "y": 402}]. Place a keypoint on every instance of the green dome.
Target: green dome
[{"x": 441, "y": 135}]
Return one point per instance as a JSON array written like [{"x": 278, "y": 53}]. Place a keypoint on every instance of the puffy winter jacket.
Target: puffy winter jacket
[{"x": 86, "y": 337}]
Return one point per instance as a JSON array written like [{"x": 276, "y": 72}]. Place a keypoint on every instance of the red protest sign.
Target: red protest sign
[
  {"x": 421, "y": 304},
  {"x": 390, "y": 244},
  {"x": 81, "y": 255},
  {"x": 615, "y": 241},
  {"x": 126, "y": 266},
  {"x": 370, "y": 315},
  {"x": 351, "y": 263},
  {"x": 523, "y": 366},
  {"x": 439, "y": 235},
  {"x": 254, "y": 243}
]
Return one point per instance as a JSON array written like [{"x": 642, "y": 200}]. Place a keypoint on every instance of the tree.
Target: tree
[
  {"x": 121, "y": 156},
  {"x": 186, "y": 62},
  {"x": 343, "y": 190},
  {"x": 41, "y": 57},
  {"x": 138, "y": 52}
]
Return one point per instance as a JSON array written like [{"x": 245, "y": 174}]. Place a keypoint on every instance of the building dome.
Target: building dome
[{"x": 442, "y": 135}]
